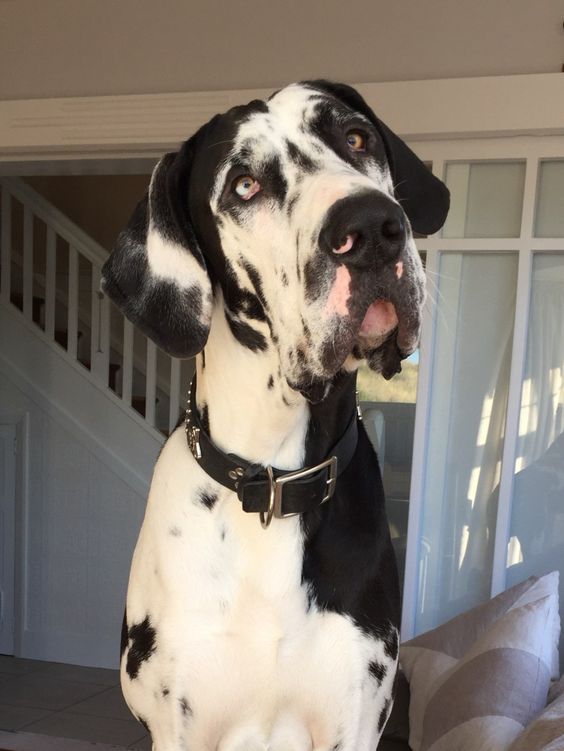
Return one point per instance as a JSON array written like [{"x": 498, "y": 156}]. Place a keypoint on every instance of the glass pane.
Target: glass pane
[
  {"x": 486, "y": 199},
  {"x": 536, "y": 544},
  {"x": 388, "y": 411},
  {"x": 549, "y": 218},
  {"x": 469, "y": 388}
]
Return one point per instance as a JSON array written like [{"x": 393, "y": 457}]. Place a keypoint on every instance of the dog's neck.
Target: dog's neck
[{"x": 249, "y": 409}]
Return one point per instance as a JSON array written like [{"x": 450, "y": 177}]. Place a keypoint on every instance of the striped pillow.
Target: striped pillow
[
  {"x": 546, "y": 733},
  {"x": 479, "y": 679}
]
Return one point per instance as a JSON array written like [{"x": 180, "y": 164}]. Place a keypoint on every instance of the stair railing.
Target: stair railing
[{"x": 28, "y": 281}]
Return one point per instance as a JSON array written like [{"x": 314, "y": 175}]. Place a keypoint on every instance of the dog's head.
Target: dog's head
[{"x": 293, "y": 218}]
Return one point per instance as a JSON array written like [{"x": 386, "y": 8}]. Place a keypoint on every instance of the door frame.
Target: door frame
[{"x": 21, "y": 422}]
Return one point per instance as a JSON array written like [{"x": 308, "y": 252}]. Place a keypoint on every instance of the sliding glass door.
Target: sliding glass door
[{"x": 487, "y": 489}]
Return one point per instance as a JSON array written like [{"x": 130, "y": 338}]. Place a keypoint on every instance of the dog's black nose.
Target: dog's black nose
[{"x": 364, "y": 227}]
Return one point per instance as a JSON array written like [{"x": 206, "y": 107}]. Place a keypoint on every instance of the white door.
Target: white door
[{"x": 7, "y": 536}]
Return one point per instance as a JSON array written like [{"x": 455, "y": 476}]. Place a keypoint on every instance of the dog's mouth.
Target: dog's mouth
[{"x": 388, "y": 333}]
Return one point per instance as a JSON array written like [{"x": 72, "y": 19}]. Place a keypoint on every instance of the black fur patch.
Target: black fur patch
[
  {"x": 315, "y": 274},
  {"x": 273, "y": 178},
  {"x": 284, "y": 279},
  {"x": 124, "y": 635},
  {"x": 208, "y": 499},
  {"x": 205, "y": 418},
  {"x": 165, "y": 691},
  {"x": 378, "y": 670},
  {"x": 270, "y": 383},
  {"x": 142, "y": 637},
  {"x": 247, "y": 335},
  {"x": 185, "y": 707},
  {"x": 300, "y": 158},
  {"x": 390, "y": 638},
  {"x": 384, "y": 715},
  {"x": 175, "y": 532}
]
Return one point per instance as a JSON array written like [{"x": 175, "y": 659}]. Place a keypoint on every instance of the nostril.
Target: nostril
[
  {"x": 346, "y": 243},
  {"x": 393, "y": 229}
]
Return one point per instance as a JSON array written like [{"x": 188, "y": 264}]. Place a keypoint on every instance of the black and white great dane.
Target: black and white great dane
[{"x": 277, "y": 246}]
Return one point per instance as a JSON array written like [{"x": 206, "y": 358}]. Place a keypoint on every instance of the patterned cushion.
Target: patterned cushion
[
  {"x": 546, "y": 733},
  {"x": 479, "y": 679}
]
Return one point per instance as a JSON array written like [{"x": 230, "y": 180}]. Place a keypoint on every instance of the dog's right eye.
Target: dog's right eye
[{"x": 246, "y": 187}]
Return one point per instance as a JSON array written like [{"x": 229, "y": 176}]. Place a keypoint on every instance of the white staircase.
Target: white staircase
[
  {"x": 91, "y": 400},
  {"x": 50, "y": 274}
]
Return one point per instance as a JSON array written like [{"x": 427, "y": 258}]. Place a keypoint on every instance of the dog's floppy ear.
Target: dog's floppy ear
[
  {"x": 156, "y": 273},
  {"x": 424, "y": 198}
]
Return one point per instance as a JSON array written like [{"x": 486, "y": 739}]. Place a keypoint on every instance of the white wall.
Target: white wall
[
  {"x": 69, "y": 48},
  {"x": 75, "y": 547}
]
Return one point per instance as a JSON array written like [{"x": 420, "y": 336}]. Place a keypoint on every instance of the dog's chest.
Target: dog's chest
[{"x": 235, "y": 627}]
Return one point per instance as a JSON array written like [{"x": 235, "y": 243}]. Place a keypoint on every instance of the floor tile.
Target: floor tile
[
  {"x": 145, "y": 744},
  {"x": 85, "y": 727},
  {"x": 101, "y": 676},
  {"x": 21, "y": 741},
  {"x": 19, "y": 665},
  {"x": 109, "y": 703},
  {"x": 45, "y": 692},
  {"x": 14, "y": 718}
]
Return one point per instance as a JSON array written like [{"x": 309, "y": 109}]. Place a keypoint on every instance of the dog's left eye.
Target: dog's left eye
[
  {"x": 356, "y": 140},
  {"x": 246, "y": 187}
]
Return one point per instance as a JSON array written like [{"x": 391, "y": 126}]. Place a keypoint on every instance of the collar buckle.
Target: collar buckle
[{"x": 276, "y": 488}]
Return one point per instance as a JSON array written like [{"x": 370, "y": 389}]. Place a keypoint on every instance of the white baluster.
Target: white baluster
[
  {"x": 72, "y": 321},
  {"x": 174, "y": 410},
  {"x": 151, "y": 382},
  {"x": 127, "y": 366},
  {"x": 6, "y": 244},
  {"x": 99, "y": 329},
  {"x": 28, "y": 263},
  {"x": 50, "y": 283}
]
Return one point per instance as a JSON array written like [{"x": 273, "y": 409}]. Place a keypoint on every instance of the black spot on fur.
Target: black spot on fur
[
  {"x": 274, "y": 180},
  {"x": 384, "y": 715},
  {"x": 124, "y": 635},
  {"x": 284, "y": 279},
  {"x": 378, "y": 670},
  {"x": 205, "y": 418},
  {"x": 203, "y": 359},
  {"x": 239, "y": 300},
  {"x": 223, "y": 534},
  {"x": 185, "y": 707},
  {"x": 175, "y": 532},
  {"x": 165, "y": 692},
  {"x": 300, "y": 158},
  {"x": 270, "y": 383},
  {"x": 142, "y": 637},
  {"x": 315, "y": 279},
  {"x": 390, "y": 638},
  {"x": 247, "y": 335},
  {"x": 291, "y": 204},
  {"x": 208, "y": 498}
]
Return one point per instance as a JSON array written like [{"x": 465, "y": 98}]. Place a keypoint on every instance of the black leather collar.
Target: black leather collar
[{"x": 268, "y": 491}]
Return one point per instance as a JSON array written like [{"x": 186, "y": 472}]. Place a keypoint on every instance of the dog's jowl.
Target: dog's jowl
[{"x": 277, "y": 246}]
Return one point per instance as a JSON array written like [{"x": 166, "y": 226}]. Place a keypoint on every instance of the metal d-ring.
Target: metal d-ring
[{"x": 266, "y": 519}]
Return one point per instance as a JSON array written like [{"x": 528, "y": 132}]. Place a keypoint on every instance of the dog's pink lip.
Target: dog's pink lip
[{"x": 380, "y": 319}]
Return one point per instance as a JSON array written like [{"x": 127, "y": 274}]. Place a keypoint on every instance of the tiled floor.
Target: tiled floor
[{"x": 67, "y": 701}]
